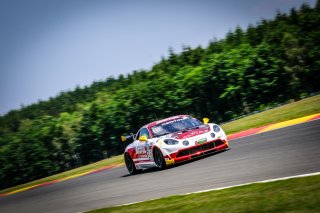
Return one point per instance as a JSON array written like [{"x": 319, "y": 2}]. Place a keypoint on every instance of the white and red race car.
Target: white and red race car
[{"x": 172, "y": 140}]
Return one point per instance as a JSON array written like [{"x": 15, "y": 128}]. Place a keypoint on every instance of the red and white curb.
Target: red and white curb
[
  {"x": 270, "y": 127},
  {"x": 60, "y": 180}
]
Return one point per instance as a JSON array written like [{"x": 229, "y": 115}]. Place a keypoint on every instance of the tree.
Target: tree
[
  {"x": 295, "y": 62},
  {"x": 88, "y": 140}
]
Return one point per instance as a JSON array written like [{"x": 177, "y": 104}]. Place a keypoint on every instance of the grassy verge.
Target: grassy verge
[
  {"x": 293, "y": 195},
  {"x": 297, "y": 109},
  {"x": 100, "y": 164},
  {"x": 286, "y": 112}
]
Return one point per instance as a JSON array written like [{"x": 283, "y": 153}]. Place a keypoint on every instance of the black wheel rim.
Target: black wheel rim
[
  {"x": 129, "y": 163},
  {"x": 158, "y": 158}
]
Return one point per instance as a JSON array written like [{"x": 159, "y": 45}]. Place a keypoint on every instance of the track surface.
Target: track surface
[{"x": 284, "y": 152}]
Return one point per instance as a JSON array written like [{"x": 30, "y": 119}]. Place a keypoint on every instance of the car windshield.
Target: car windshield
[{"x": 177, "y": 125}]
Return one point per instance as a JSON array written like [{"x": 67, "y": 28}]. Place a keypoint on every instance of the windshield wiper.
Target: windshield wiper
[
  {"x": 188, "y": 129},
  {"x": 163, "y": 134},
  {"x": 182, "y": 131},
  {"x": 192, "y": 128}
]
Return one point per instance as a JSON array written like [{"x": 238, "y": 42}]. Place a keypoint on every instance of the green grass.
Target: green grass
[
  {"x": 286, "y": 112},
  {"x": 293, "y": 110},
  {"x": 293, "y": 195},
  {"x": 100, "y": 164}
]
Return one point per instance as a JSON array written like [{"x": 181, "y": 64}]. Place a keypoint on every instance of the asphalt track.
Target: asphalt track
[{"x": 279, "y": 153}]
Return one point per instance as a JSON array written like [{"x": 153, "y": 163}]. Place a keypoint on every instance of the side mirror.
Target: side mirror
[
  {"x": 143, "y": 138},
  {"x": 126, "y": 137},
  {"x": 205, "y": 120}
]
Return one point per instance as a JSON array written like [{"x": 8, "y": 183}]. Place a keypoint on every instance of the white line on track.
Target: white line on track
[
  {"x": 227, "y": 187},
  {"x": 262, "y": 181}
]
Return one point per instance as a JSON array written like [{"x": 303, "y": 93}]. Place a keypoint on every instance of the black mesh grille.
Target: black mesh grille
[
  {"x": 200, "y": 148},
  {"x": 218, "y": 142}
]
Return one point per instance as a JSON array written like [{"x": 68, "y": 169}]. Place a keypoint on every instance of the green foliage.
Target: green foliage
[{"x": 272, "y": 62}]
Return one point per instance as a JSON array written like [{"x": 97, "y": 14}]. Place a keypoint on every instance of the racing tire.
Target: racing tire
[
  {"x": 129, "y": 164},
  {"x": 158, "y": 159}
]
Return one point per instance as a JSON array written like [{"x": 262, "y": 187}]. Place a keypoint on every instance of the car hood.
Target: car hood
[{"x": 188, "y": 134}]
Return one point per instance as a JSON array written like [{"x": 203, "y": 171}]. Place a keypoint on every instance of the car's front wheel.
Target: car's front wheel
[
  {"x": 158, "y": 158},
  {"x": 129, "y": 164}
]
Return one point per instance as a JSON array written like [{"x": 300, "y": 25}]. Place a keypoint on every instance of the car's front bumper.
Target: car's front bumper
[{"x": 196, "y": 151}]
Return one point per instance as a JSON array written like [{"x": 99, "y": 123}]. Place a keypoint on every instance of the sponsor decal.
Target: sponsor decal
[
  {"x": 173, "y": 121},
  {"x": 167, "y": 119},
  {"x": 201, "y": 141},
  {"x": 143, "y": 151},
  {"x": 191, "y": 133},
  {"x": 148, "y": 147},
  {"x": 140, "y": 150}
]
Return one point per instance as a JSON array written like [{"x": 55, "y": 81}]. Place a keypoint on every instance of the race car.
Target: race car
[{"x": 172, "y": 140}]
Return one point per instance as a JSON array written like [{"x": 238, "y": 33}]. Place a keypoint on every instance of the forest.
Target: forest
[{"x": 268, "y": 63}]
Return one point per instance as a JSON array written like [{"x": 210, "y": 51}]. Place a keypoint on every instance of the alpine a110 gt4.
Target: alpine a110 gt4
[{"x": 172, "y": 140}]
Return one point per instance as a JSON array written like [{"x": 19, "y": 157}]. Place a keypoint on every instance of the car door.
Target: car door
[{"x": 143, "y": 149}]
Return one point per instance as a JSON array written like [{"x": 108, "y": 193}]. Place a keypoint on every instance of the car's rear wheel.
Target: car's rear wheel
[
  {"x": 158, "y": 158},
  {"x": 129, "y": 164}
]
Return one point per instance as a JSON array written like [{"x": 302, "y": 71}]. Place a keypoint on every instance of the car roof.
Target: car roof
[{"x": 149, "y": 125}]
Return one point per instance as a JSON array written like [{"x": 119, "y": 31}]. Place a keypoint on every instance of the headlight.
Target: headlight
[
  {"x": 212, "y": 135},
  {"x": 216, "y": 128},
  {"x": 170, "y": 141},
  {"x": 186, "y": 143}
]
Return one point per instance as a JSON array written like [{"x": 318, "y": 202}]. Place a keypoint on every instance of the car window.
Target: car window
[{"x": 144, "y": 131}]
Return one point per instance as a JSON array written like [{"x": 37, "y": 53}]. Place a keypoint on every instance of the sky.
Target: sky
[{"x": 49, "y": 46}]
